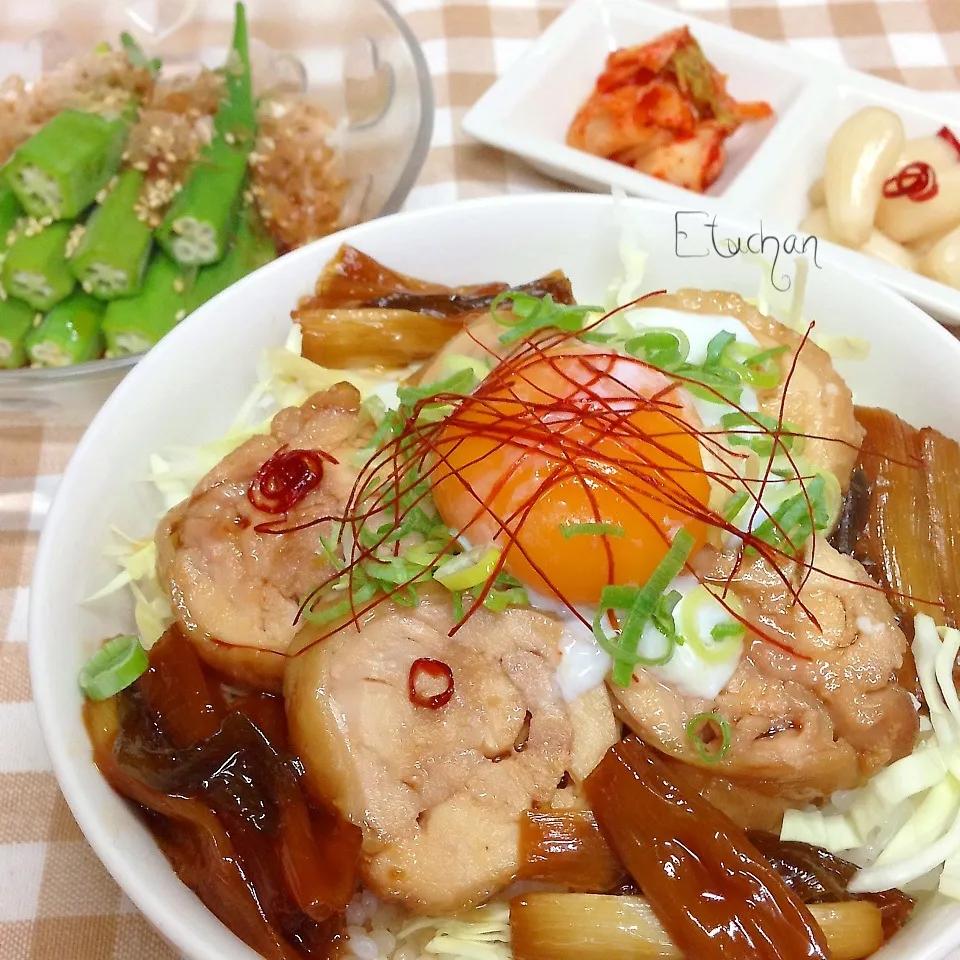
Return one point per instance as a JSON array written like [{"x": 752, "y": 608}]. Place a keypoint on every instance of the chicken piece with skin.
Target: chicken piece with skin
[
  {"x": 814, "y": 705},
  {"x": 236, "y": 591},
  {"x": 817, "y": 401},
  {"x": 439, "y": 792}
]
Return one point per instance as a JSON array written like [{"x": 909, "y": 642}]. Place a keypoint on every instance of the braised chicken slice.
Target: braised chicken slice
[
  {"x": 235, "y": 590},
  {"x": 439, "y": 793},
  {"x": 818, "y": 401},
  {"x": 814, "y": 705}
]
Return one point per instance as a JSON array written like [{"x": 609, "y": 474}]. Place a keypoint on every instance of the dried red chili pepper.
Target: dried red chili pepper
[
  {"x": 423, "y": 669},
  {"x": 916, "y": 181},
  {"x": 286, "y": 478}
]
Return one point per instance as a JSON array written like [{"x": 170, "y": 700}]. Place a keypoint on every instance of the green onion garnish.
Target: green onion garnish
[
  {"x": 571, "y": 530},
  {"x": 760, "y": 432},
  {"x": 117, "y": 664},
  {"x": 794, "y": 521},
  {"x": 661, "y": 347},
  {"x": 640, "y": 604},
  {"x": 536, "y": 314},
  {"x": 707, "y": 750}
]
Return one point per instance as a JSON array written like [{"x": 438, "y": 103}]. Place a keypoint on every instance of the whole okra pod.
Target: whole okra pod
[
  {"x": 252, "y": 247},
  {"x": 70, "y": 333},
  {"x": 16, "y": 321},
  {"x": 112, "y": 255},
  {"x": 202, "y": 218},
  {"x": 10, "y": 213},
  {"x": 35, "y": 267},
  {"x": 58, "y": 172},
  {"x": 135, "y": 324}
]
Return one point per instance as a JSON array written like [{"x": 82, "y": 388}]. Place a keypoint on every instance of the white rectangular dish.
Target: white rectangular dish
[{"x": 770, "y": 164}]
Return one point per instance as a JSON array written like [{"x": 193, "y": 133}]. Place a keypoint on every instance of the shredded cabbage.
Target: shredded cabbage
[
  {"x": 483, "y": 934},
  {"x": 284, "y": 379},
  {"x": 903, "y": 826}
]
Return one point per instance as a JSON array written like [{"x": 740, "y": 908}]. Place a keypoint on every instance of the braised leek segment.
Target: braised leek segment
[
  {"x": 364, "y": 314},
  {"x": 817, "y": 876},
  {"x": 371, "y": 337},
  {"x": 652, "y": 816},
  {"x": 58, "y": 172},
  {"x": 579, "y": 926},
  {"x": 566, "y": 847},
  {"x": 354, "y": 279},
  {"x": 900, "y": 518}
]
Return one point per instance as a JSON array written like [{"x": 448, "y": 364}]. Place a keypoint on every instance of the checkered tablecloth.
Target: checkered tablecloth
[{"x": 56, "y": 901}]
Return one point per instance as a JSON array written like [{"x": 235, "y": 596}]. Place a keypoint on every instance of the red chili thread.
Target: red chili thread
[
  {"x": 916, "y": 181},
  {"x": 424, "y": 669},
  {"x": 286, "y": 478},
  {"x": 948, "y": 136},
  {"x": 521, "y": 427}
]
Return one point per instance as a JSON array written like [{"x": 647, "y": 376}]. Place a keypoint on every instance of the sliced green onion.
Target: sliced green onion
[
  {"x": 590, "y": 336},
  {"x": 499, "y": 600},
  {"x": 469, "y": 569},
  {"x": 718, "y": 346},
  {"x": 640, "y": 605},
  {"x": 706, "y": 751},
  {"x": 455, "y": 363},
  {"x": 734, "y": 505},
  {"x": 334, "y": 611},
  {"x": 760, "y": 432},
  {"x": 117, "y": 664},
  {"x": 712, "y": 383},
  {"x": 726, "y": 636},
  {"x": 758, "y": 368},
  {"x": 795, "y": 520},
  {"x": 461, "y": 382},
  {"x": 663, "y": 347},
  {"x": 535, "y": 314},
  {"x": 571, "y": 530}
]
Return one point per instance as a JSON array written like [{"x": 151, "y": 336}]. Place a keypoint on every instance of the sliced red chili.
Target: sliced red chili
[
  {"x": 916, "y": 181},
  {"x": 424, "y": 670},
  {"x": 947, "y": 135},
  {"x": 286, "y": 478}
]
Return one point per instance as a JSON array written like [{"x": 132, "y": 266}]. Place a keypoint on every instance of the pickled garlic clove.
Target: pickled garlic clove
[
  {"x": 881, "y": 247},
  {"x": 861, "y": 156},
  {"x": 817, "y": 224},
  {"x": 817, "y": 194},
  {"x": 906, "y": 220},
  {"x": 942, "y": 261},
  {"x": 878, "y": 245},
  {"x": 932, "y": 150}
]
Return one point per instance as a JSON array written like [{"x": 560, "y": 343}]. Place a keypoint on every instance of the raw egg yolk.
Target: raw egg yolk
[{"x": 578, "y": 438}]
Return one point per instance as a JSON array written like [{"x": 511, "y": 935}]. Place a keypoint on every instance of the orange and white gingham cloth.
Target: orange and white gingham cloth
[{"x": 56, "y": 901}]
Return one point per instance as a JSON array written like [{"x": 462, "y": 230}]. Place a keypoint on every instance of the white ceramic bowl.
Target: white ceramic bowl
[{"x": 176, "y": 395}]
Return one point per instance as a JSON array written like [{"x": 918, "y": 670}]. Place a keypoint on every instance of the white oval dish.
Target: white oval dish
[
  {"x": 189, "y": 388},
  {"x": 770, "y": 165}
]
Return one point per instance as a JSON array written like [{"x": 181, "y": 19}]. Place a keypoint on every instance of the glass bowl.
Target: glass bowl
[{"x": 358, "y": 58}]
